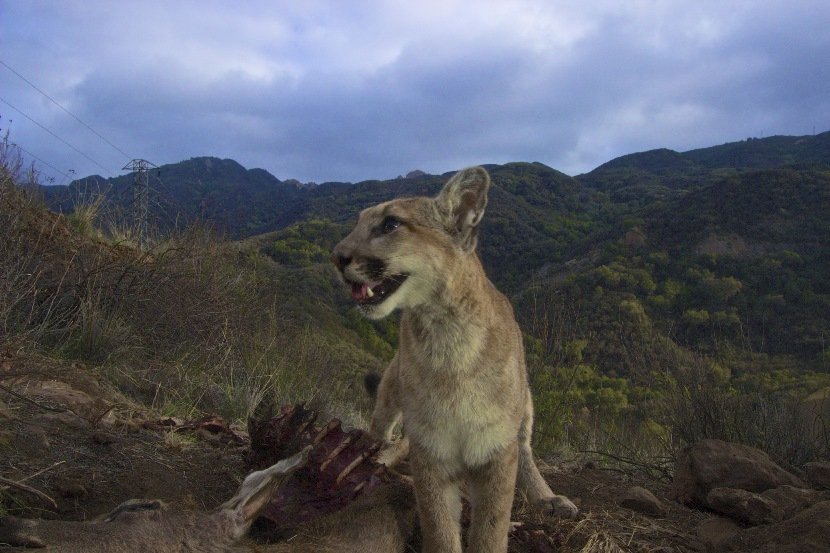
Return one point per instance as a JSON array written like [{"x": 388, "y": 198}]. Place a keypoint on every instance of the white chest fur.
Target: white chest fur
[{"x": 452, "y": 396}]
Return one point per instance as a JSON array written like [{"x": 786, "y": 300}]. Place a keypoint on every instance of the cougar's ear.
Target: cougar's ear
[{"x": 461, "y": 203}]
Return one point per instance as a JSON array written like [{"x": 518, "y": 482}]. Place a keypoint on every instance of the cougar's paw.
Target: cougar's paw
[
  {"x": 393, "y": 453},
  {"x": 560, "y": 506}
]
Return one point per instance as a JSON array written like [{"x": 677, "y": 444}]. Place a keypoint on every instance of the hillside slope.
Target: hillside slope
[{"x": 634, "y": 283}]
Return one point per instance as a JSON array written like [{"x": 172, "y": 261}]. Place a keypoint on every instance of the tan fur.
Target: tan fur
[
  {"x": 147, "y": 526},
  {"x": 382, "y": 521},
  {"x": 458, "y": 382}
]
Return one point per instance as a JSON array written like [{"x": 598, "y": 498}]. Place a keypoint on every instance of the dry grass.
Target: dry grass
[
  {"x": 188, "y": 323},
  {"x": 606, "y": 528},
  {"x": 621, "y": 531}
]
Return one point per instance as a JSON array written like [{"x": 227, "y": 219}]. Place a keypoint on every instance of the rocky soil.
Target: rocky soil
[{"x": 72, "y": 448}]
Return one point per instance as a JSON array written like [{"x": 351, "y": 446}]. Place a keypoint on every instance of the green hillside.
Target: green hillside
[
  {"x": 736, "y": 270},
  {"x": 665, "y": 296}
]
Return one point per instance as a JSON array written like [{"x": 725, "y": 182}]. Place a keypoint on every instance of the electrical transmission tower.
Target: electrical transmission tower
[{"x": 141, "y": 196}]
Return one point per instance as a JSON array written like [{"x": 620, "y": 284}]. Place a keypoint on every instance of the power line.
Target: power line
[
  {"x": 75, "y": 117},
  {"x": 46, "y": 163},
  {"x": 18, "y": 110}
]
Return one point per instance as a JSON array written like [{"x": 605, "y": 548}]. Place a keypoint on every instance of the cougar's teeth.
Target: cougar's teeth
[{"x": 369, "y": 292}]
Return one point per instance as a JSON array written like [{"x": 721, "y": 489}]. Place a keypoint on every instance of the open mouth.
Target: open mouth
[{"x": 372, "y": 293}]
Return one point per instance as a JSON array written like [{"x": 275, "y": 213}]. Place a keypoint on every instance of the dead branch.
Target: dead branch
[
  {"x": 29, "y": 489},
  {"x": 647, "y": 466},
  {"x": 41, "y": 471}
]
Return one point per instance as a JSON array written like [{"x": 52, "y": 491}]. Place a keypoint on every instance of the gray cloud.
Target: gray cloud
[{"x": 349, "y": 91}]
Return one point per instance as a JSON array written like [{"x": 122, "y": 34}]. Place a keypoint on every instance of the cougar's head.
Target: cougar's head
[{"x": 403, "y": 252}]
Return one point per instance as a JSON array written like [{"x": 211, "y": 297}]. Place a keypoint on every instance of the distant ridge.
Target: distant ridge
[
  {"x": 244, "y": 202},
  {"x": 749, "y": 154}
]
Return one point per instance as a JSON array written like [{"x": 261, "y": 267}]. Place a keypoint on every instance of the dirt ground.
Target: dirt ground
[{"x": 66, "y": 434}]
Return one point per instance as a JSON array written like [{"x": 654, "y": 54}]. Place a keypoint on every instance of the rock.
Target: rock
[
  {"x": 747, "y": 507},
  {"x": 806, "y": 532},
  {"x": 818, "y": 473},
  {"x": 712, "y": 464},
  {"x": 794, "y": 500},
  {"x": 716, "y": 531},
  {"x": 643, "y": 501}
]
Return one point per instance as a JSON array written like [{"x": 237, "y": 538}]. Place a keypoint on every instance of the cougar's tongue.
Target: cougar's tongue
[{"x": 361, "y": 291}]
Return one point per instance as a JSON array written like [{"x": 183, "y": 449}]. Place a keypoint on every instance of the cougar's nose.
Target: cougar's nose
[{"x": 340, "y": 260}]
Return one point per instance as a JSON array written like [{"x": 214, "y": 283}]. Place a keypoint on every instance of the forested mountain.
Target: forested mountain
[
  {"x": 219, "y": 191},
  {"x": 736, "y": 270},
  {"x": 720, "y": 251},
  {"x": 246, "y": 202}
]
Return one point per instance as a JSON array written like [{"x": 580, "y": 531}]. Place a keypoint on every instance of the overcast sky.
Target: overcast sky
[{"x": 351, "y": 90}]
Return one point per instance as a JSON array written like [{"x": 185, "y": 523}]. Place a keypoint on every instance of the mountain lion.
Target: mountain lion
[{"x": 458, "y": 382}]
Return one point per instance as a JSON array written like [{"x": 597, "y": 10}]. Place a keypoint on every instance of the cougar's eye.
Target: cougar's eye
[{"x": 389, "y": 224}]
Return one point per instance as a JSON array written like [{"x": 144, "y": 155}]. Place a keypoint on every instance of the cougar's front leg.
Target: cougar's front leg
[
  {"x": 386, "y": 416},
  {"x": 491, "y": 489},
  {"x": 387, "y": 412},
  {"x": 439, "y": 504}
]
